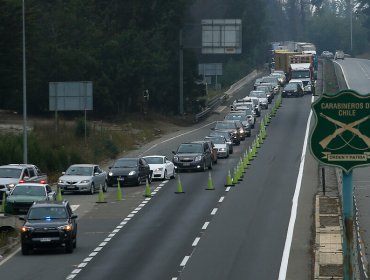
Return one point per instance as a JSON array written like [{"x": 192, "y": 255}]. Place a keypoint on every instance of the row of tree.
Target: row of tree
[{"x": 127, "y": 47}]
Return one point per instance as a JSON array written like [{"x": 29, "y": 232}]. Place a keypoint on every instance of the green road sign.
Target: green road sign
[{"x": 341, "y": 136}]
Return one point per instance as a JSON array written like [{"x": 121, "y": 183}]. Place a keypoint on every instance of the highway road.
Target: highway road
[
  {"x": 356, "y": 73},
  {"x": 226, "y": 233}
]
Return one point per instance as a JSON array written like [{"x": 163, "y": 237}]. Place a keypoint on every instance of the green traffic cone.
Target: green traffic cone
[
  {"x": 147, "y": 192},
  {"x": 236, "y": 178},
  {"x": 59, "y": 194},
  {"x": 101, "y": 198},
  {"x": 229, "y": 182},
  {"x": 179, "y": 185},
  {"x": 119, "y": 191},
  {"x": 210, "y": 183}
]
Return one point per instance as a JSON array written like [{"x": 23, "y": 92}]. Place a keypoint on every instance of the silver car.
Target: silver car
[{"x": 83, "y": 178}]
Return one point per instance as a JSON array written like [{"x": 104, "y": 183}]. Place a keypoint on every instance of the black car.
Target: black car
[
  {"x": 193, "y": 156},
  {"x": 49, "y": 224},
  {"x": 292, "y": 89},
  {"x": 232, "y": 127},
  {"x": 129, "y": 171}
]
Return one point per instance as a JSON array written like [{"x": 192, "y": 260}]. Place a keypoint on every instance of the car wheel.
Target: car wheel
[
  {"x": 204, "y": 166},
  {"x": 105, "y": 186},
  {"x": 165, "y": 176},
  {"x": 138, "y": 180},
  {"x": 92, "y": 189},
  {"x": 69, "y": 246},
  {"x": 210, "y": 164},
  {"x": 75, "y": 243},
  {"x": 26, "y": 249},
  {"x": 173, "y": 174},
  {"x": 150, "y": 178}
]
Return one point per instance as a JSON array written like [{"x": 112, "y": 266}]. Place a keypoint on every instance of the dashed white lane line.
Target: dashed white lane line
[
  {"x": 195, "y": 242},
  {"x": 205, "y": 225},
  {"x": 227, "y": 189},
  {"x": 74, "y": 273},
  {"x": 214, "y": 211},
  {"x": 184, "y": 261},
  {"x": 221, "y": 199}
]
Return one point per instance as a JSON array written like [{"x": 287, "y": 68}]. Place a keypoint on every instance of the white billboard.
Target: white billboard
[{"x": 221, "y": 36}]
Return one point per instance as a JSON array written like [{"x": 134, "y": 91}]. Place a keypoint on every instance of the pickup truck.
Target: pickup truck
[{"x": 13, "y": 174}]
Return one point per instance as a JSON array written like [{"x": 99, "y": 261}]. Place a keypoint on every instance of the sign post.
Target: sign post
[{"x": 341, "y": 138}]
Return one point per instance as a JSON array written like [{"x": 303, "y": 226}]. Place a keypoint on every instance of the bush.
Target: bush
[{"x": 80, "y": 128}]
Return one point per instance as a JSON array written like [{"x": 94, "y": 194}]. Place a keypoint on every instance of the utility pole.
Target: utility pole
[
  {"x": 181, "y": 72},
  {"x": 25, "y": 145}
]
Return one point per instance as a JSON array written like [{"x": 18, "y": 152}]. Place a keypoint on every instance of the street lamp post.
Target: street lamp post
[{"x": 25, "y": 159}]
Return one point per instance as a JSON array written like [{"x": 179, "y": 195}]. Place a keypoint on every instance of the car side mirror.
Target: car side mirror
[
  {"x": 96, "y": 173},
  {"x": 174, "y": 152},
  {"x": 22, "y": 218},
  {"x": 74, "y": 216}
]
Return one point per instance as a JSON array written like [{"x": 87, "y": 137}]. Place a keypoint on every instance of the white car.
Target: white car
[
  {"x": 161, "y": 167},
  {"x": 262, "y": 97},
  {"x": 83, "y": 178}
]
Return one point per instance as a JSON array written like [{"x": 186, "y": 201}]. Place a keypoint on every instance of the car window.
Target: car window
[
  {"x": 47, "y": 212},
  {"x": 80, "y": 170},
  {"x": 31, "y": 172},
  {"x": 125, "y": 163},
  {"x": 190, "y": 148},
  {"x": 28, "y": 190},
  {"x": 10, "y": 172}
]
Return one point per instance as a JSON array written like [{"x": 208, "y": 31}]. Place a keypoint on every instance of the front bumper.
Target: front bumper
[
  {"x": 78, "y": 187},
  {"x": 52, "y": 237},
  {"x": 123, "y": 180}
]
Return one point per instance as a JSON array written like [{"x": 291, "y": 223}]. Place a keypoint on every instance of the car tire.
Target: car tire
[
  {"x": 25, "y": 249},
  {"x": 75, "y": 243},
  {"x": 150, "y": 177},
  {"x": 105, "y": 186},
  {"x": 204, "y": 166},
  {"x": 69, "y": 247},
  {"x": 92, "y": 189},
  {"x": 138, "y": 181},
  {"x": 173, "y": 174}
]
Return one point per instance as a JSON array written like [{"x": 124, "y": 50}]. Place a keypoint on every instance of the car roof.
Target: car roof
[
  {"x": 295, "y": 81},
  {"x": 152, "y": 156},
  {"x": 84, "y": 164},
  {"x": 129, "y": 158},
  {"x": 31, "y": 184},
  {"x": 16, "y": 165},
  {"x": 44, "y": 203}
]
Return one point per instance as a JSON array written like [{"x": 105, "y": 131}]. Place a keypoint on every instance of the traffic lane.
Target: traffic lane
[
  {"x": 248, "y": 233},
  {"x": 356, "y": 73},
  {"x": 153, "y": 243}
]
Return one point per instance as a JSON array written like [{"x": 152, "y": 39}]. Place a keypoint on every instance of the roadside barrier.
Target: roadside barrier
[
  {"x": 101, "y": 198},
  {"x": 59, "y": 194},
  {"x": 179, "y": 185},
  {"x": 147, "y": 192},
  {"x": 229, "y": 182},
  {"x": 119, "y": 191},
  {"x": 210, "y": 186}
]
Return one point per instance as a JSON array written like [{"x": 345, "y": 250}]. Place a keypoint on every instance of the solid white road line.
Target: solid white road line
[{"x": 293, "y": 214}]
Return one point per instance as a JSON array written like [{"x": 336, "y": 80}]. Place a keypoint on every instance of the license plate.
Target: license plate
[
  {"x": 45, "y": 240},
  {"x": 70, "y": 187},
  {"x": 186, "y": 164}
]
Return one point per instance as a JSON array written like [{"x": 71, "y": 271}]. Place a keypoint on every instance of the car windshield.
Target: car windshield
[
  {"x": 291, "y": 86},
  {"x": 29, "y": 190},
  {"x": 233, "y": 117},
  {"x": 296, "y": 74},
  {"x": 80, "y": 170},
  {"x": 216, "y": 140},
  {"x": 222, "y": 133},
  {"x": 10, "y": 172},
  {"x": 262, "y": 95},
  {"x": 154, "y": 160},
  {"x": 47, "y": 212},
  {"x": 125, "y": 163},
  {"x": 190, "y": 148},
  {"x": 225, "y": 125},
  {"x": 263, "y": 88},
  {"x": 270, "y": 80}
]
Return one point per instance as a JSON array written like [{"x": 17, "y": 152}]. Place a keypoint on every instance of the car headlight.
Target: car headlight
[
  {"x": 175, "y": 158},
  {"x": 26, "y": 229},
  {"x": 132, "y": 173},
  {"x": 85, "y": 181},
  {"x": 67, "y": 227},
  {"x": 222, "y": 149},
  {"x": 61, "y": 181},
  {"x": 198, "y": 158},
  {"x": 241, "y": 130},
  {"x": 158, "y": 169},
  {"x": 110, "y": 174},
  {"x": 11, "y": 186}
]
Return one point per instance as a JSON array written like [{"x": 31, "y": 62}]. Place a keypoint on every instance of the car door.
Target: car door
[{"x": 98, "y": 177}]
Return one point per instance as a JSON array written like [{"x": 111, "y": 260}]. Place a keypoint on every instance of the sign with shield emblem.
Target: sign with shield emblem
[{"x": 341, "y": 135}]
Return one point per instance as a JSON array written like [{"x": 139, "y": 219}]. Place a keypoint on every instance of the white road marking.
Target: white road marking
[
  {"x": 196, "y": 240},
  {"x": 102, "y": 244},
  {"x": 185, "y": 260},
  {"x": 74, "y": 207},
  {"x": 111, "y": 235},
  {"x": 221, "y": 199},
  {"x": 130, "y": 215},
  {"x": 71, "y": 276},
  {"x": 142, "y": 205},
  {"x": 148, "y": 198},
  {"x": 137, "y": 208},
  {"x": 214, "y": 211},
  {"x": 123, "y": 223},
  {"x": 93, "y": 254},
  {"x": 107, "y": 239},
  {"x": 227, "y": 189},
  {"x": 76, "y": 271},
  {"x": 135, "y": 212},
  {"x": 82, "y": 265},
  {"x": 115, "y": 230},
  {"x": 88, "y": 259},
  {"x": 98, "y": 249},
  {"x": 293, "y": 214},
  {"x": 205, "y": 225}
]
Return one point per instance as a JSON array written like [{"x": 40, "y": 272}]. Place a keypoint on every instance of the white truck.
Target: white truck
[{"x": 303, "y": 72}]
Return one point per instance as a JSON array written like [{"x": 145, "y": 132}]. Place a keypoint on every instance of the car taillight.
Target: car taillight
[
  {"x": 21, "y": 181},
  {"x": 43, "y": 182}
]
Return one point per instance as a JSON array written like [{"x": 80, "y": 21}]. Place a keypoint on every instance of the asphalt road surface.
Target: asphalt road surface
[
  {"x": 226, "y": 233},
  {"x": 357, "y": 76}
]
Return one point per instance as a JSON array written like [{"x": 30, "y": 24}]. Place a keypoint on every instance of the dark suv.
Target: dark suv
[
  {"x": 232, "y": 128},
  {"x": 49, "y": 224},
  {"x": 193, "y": 156}
]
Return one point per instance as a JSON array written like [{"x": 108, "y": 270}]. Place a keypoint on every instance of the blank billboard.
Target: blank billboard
[
  {"x": 221, "y": 36},
  {"x": 70, "y": 96}
]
